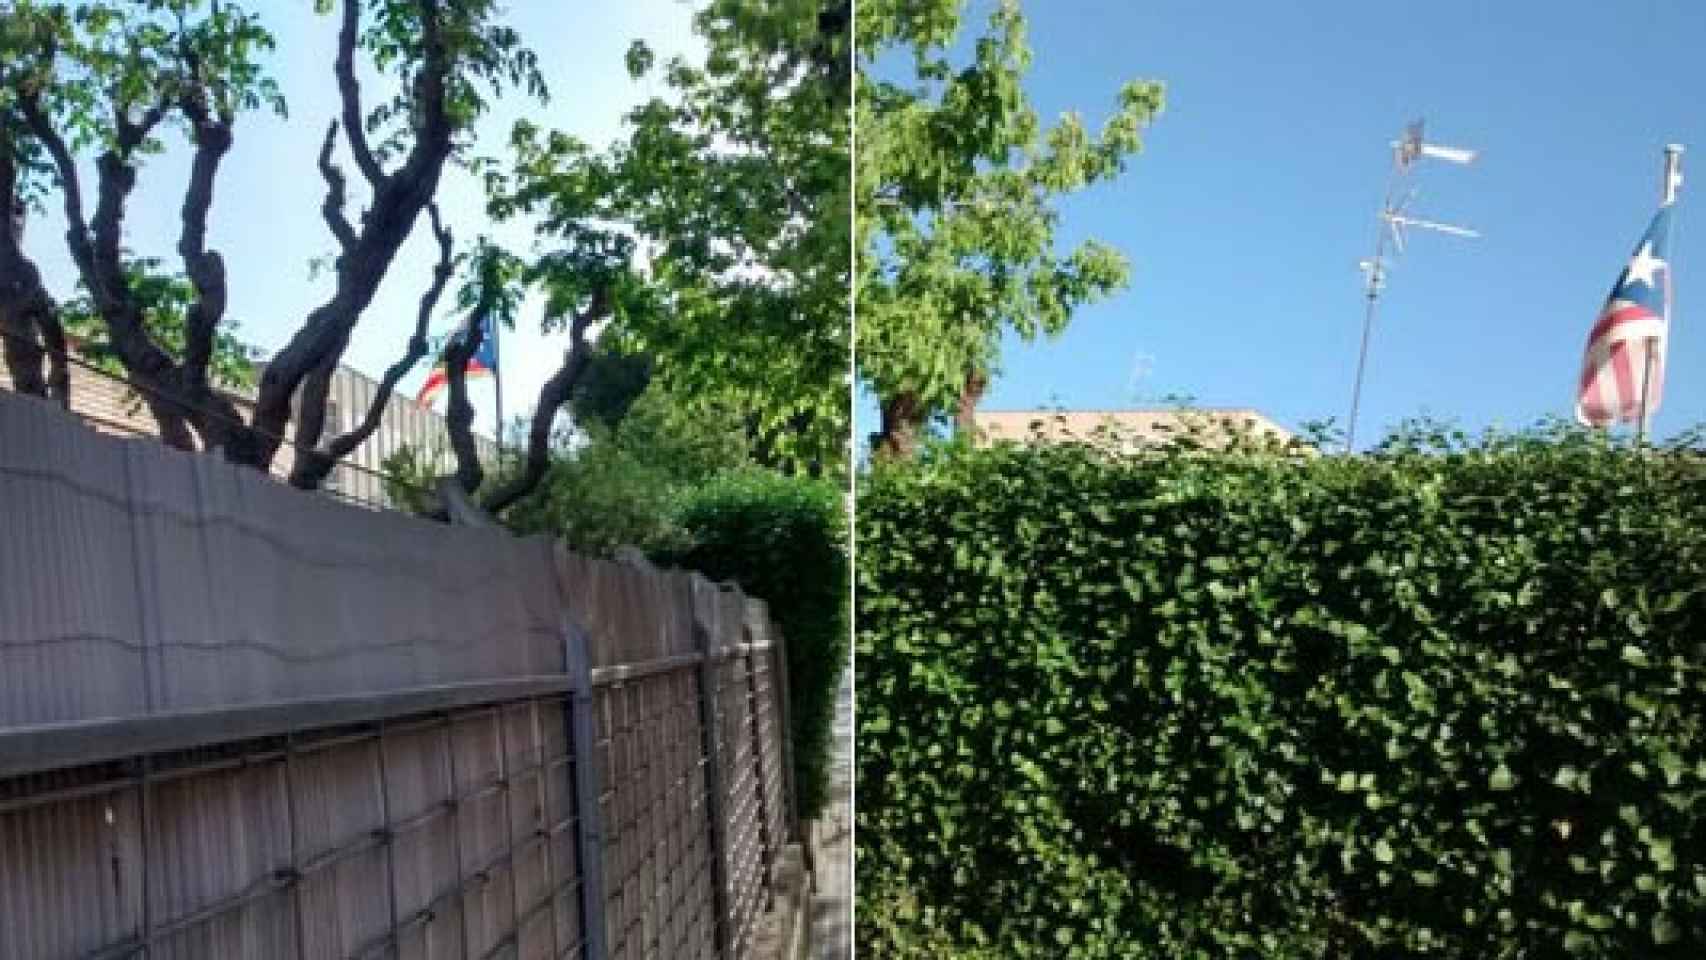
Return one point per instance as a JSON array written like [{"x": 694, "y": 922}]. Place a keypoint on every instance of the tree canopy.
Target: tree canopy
[
  {"x": 719, "y": 226},
  {"x": 115, "y": 82},
  {"x": 957, "y": 184},
  {"x": 711, "y": 241}
]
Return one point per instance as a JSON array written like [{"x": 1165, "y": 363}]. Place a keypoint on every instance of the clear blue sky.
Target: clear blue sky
[
  {"x": 266, "y": 216},
  {"x": 1256, "y": 195}
]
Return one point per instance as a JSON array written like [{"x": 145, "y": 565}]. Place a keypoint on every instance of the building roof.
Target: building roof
[{"x": 1131, "y": 428}]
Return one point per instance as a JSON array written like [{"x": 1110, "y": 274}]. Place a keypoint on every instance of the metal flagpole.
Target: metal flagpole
[
  {"x": 1376, "y": 277},
  {"x": 498, "y": 387},
  {"x": 1667, "y": 196}
]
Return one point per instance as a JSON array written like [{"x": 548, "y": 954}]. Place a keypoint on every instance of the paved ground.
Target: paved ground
[{"x": 832, "y": 836}]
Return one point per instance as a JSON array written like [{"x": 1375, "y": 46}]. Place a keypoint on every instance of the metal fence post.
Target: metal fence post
[
  {"x": 785, "y": 721},
  {"x": 710, "y": 723},
  {"x": 589, "y": 833}
]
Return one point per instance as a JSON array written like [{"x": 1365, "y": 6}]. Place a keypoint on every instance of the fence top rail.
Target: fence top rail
[
  {"x": 625, "y": 672},
  {"x": 34, "y": 749}
]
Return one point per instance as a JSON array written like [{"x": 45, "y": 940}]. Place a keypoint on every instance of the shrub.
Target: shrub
[
  {"x": 1444, "y": 700},
  {"x": 783, "y": 539}
]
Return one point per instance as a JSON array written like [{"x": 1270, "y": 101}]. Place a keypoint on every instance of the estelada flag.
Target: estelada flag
[
  {"x": 1625, "y": 357},
  {"x": 483, "y": 363}
]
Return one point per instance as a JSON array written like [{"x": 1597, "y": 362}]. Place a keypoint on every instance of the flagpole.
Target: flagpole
[
  {"x": 498, "y": 387},
  {"x": 1667, "y": 196}
]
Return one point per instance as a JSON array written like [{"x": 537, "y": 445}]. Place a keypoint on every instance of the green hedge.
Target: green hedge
[
  {"x": 1446, "y": 700},
  {"x": 783, "y": 539}
]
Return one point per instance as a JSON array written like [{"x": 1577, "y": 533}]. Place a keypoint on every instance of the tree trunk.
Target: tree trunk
[
  {"x": 321, "y": 339},
  {"x": 971, "y": 394},
  {"x": 902, "y": 424},
  {"x": 174, "y": 398},
  {"x": 313, "y": 466},
  {"x": 459, "y": 414},
  {"x": 29, "y": 319}
]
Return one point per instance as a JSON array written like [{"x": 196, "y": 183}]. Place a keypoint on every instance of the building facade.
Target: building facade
[{"x": 109, "y": 405}]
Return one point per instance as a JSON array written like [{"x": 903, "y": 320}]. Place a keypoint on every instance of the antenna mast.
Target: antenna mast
[{"x": 1394, "y": 218}]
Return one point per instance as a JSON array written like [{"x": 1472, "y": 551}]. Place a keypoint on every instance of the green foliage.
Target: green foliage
[
  {"x": 410, "y": 474},
  {"x": 95, "y": 62},
  {"x": 609, "y": 387},
  {"x": 486, "y": 56},
  {"x": 1444, "y": 700},
  {"x": 735, "y": 187},
  {"x": 609, "y": 485},
  {"x": 783, "y": 539},
  {"x": 165, "y": 300},
  {"x": 957, "y": 181},
  {"x": 618, "y": 487}
]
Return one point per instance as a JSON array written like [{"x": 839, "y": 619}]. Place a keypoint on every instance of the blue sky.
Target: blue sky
[
  {"x": 1257, "y": 191},
  {"x": 266, "y": 218}
]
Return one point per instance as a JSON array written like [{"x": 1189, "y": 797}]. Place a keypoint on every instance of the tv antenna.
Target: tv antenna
[
  {"x": 1142, "y": 367},
  {"x": 1395, "y": 220}
]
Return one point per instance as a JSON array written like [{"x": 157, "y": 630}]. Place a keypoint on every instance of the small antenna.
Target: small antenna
[
  {"x": 1142, "y": 365},
  {"x": 1395, "y": 218}
]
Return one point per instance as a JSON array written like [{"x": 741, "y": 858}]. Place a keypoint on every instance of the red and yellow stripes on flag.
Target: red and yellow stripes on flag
[
  {"x": 1624, "y": 365},
  {"x": 439, "y": 378},
  {"x": 1623, "y": 368},
  {"x": 483, "y": 363}
]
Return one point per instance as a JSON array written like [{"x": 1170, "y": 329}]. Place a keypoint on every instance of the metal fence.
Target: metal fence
[{"x": 240, "y": 721}]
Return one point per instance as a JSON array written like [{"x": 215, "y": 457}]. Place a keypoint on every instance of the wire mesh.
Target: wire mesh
[
  {"x": 658, "y": 900},
  {"x": 434, "y": 836},
  {"x": 766, "y": 700},
  {"x": 742, "y": 813}
]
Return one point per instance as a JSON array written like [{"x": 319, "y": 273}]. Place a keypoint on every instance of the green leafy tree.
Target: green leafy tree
[
  {"x": 619, "y": 484},
  {"x": 165, "y": 300},
  {"x": 608, "y": 485},
  {"x": 957, "y": 181},
  {"x": 614, "y": 382},
  {"x": 725, "y": 215},
  {"x": 111, "y": 81}
]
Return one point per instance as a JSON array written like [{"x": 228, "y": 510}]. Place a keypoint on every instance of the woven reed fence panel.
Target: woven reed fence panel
[{"x": 237, "y": 720}]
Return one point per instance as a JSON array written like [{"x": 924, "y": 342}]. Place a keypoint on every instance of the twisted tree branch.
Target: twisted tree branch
[
  {"x": 24, "y": 304},
  {"x": 349, "y": 92},
  {"x": 459, "y": 414},
  {"x": 205, "y": 268},
  {"x": 70, "y": 184},
  {"x": 398, "y": 199},
  {"x": 95, "y": 248},
  {"x": 312, "y": 467},
  {"x": 552, "y": 396},
  {"x": 333, "y": 208}
]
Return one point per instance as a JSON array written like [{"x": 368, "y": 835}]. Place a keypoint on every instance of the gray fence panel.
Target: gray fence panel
[
  {"x": 69, "y": 600},
  {"x": 237, "y": 720}
]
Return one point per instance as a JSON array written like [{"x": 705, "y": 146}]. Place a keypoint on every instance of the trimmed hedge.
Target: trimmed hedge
[
  {"x": 783, "y": 539},
  {"x": 1445, "y": 700}
]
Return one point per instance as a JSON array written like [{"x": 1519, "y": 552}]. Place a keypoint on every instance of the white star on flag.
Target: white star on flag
[{"x": 1642, "y": 268}]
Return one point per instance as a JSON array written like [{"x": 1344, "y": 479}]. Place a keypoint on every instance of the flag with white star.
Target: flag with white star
[{"x": 1625, "y": 356}]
